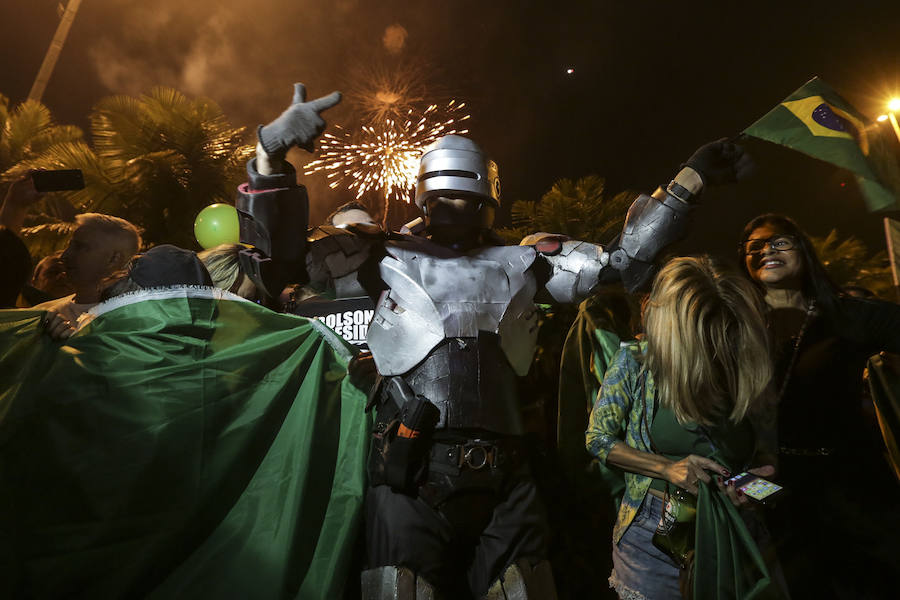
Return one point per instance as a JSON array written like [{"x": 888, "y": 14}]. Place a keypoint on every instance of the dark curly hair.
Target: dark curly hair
[{"x": 816, "y": 283}]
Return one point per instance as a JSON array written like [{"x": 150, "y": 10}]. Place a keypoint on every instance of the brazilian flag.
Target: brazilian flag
[
  {"x": 184, "y": 443},
  {"x": 815, "y": 120}
]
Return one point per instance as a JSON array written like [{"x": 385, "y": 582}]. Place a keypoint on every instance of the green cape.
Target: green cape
[{"x": 183, "y": 443}]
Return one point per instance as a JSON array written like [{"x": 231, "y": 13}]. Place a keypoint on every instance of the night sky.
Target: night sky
[{"x": 651, "y": 81}]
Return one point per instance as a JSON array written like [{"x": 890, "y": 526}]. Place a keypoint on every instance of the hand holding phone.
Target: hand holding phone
[
  {"x": 756, "y": 488},
  {"x": 58, "y": 181}
]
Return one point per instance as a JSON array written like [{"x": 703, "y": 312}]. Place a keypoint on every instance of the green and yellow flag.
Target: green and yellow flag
[
  {"x": 184, "y": 443},
  {"x": 816, "y": 121}
]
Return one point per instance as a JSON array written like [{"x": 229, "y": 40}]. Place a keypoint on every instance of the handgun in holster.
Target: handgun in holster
[{"x": 408, "y": 439}]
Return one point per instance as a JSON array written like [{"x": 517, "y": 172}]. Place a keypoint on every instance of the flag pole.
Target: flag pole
[
  {"x": 59, "y": 38},
  {"x": 892, "y": 235},
  {"x": 892, "y": 228},
  {"x": 896, "y": 127}
]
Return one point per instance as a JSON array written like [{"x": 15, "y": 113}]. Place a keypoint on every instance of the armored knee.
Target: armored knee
[
  {"x": 395, "y": 583},
  {"x": 525, "y": 579}
]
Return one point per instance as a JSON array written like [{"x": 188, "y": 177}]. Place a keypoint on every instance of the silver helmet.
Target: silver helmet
[{"x": 455, "y": 164}]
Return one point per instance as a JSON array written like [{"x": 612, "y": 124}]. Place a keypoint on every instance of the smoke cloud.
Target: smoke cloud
[
  {"x": 242, "y": 55},
  {"x": 394, "y": 38}
]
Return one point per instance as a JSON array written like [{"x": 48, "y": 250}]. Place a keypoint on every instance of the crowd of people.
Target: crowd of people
[{"x": 752, "y": 370}]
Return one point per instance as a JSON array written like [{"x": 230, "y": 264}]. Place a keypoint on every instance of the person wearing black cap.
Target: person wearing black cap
[{"x": 161, "y": 266}]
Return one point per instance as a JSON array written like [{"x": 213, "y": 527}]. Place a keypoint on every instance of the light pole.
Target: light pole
[
  {"x": 59, "y": 38},
  {"x": 892, "y": 226},
  {"x": 893, "y": 106}
]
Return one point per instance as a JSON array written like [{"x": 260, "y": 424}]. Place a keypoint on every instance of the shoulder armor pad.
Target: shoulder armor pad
[
  {"x": 519, "y": 258},
  {"x": 334, "y": 252},
  {"x": 653, "y": 223},
  {"x": 269, "y": 220},
  {"x": 576, "y": 268}
]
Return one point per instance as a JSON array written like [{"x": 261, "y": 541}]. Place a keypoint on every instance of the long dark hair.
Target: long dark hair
[{"x": 816, "y": 284}]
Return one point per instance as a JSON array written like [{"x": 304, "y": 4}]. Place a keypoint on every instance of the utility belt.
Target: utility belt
[
  {"x": 405, "y": 456},
  {"x": 390, "y": 457},
  {"x": 476, "y": 455}
]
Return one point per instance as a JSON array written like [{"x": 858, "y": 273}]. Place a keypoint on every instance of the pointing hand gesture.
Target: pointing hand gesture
[{"x": 299, "y": 125}]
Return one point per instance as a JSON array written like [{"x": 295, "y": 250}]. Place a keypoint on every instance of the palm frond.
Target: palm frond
[
  {"x": 47, "y": 238},
  {"x": 121, "y": 128},
  {"x": 848, "y": 262},
  {"x": 578, "y": 208},
  {"x": 4, "y": 111},
  {"x": 56, "y": 134}
]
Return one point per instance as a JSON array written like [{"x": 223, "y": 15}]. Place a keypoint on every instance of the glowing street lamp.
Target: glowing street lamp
[{"x": 894, "y": 105}]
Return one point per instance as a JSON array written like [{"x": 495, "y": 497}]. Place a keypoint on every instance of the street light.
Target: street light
[{"x": 894, "y": 105}]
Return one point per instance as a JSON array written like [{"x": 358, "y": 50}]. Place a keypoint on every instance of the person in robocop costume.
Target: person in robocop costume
[{"x": 452, "y": 510}]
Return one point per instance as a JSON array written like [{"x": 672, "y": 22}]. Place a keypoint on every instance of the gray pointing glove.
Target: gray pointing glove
[{"x": 299, "y": 125}]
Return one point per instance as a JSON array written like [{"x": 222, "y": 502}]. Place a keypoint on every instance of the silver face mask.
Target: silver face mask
[{"x": 455, "y": 166}]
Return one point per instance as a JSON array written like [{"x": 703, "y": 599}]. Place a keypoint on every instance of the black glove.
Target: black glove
[
  {"x": 720, "y": 162},
  {"x": 361, "y": 370},
  {"x": 299, "y": 125}
]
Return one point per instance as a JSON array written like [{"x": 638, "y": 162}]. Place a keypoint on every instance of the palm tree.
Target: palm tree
[
  {"x": 848, "y": 263},
  {"x": 169, "y": 156},
  {"x": 28, "y": 134},
  {"x": 156, "y": 160},
  {"x": 583, "y": 210},
  {"x": 580, "y": 209},
  {"x": 27, "y": 131}
]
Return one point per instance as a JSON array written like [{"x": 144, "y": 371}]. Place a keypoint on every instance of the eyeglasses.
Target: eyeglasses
[{"x": 779, "y": 243}]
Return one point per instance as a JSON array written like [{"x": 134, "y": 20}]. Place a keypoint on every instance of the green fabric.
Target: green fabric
[
  {"x": 593, "y": 339},
  {"x": 728, "y": 562},
  {"x": 178, "y": 447},
  {"x": 588, "y": 505},
  {"x": 815, "y": 120}
]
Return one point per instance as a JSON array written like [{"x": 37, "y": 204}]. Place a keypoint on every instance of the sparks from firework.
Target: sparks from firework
[{"x": 384, "y": 156}]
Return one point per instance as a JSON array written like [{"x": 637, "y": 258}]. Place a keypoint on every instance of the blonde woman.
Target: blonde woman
[
  {"x": 225, "y": 269},
  {"x": 667, "y": 404}
]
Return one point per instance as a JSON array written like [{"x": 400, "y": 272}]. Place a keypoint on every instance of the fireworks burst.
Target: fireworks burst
[
  {"x": 380, "y": 93},
  {"x": 385, "y": 155}
]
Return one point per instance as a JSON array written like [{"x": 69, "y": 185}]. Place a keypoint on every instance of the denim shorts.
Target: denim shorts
[{"x": 640, "y": 570}]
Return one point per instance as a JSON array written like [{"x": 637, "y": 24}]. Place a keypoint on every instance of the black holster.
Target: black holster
[{"x": 401, "y": 446}]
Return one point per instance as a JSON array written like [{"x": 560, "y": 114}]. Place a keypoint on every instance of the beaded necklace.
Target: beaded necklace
[{"x": 790, "y": 369}]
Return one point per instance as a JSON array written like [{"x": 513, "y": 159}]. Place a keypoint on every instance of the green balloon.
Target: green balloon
[{"x": 217, "y": 224}]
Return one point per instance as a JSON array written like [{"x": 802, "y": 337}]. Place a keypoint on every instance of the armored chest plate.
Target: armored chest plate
[{"x": 435, "y": 295}]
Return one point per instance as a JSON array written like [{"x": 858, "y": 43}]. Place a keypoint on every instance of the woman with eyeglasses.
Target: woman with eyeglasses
[{"x": 837, "y": 531}]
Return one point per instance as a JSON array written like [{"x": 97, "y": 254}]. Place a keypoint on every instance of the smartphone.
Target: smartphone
[
  {"x": 58, "y": 181},
  {"x": 756, "y": 488}
]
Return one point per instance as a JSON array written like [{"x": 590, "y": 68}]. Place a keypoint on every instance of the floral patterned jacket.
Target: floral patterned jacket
[{"x": 622, "y": 412}]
